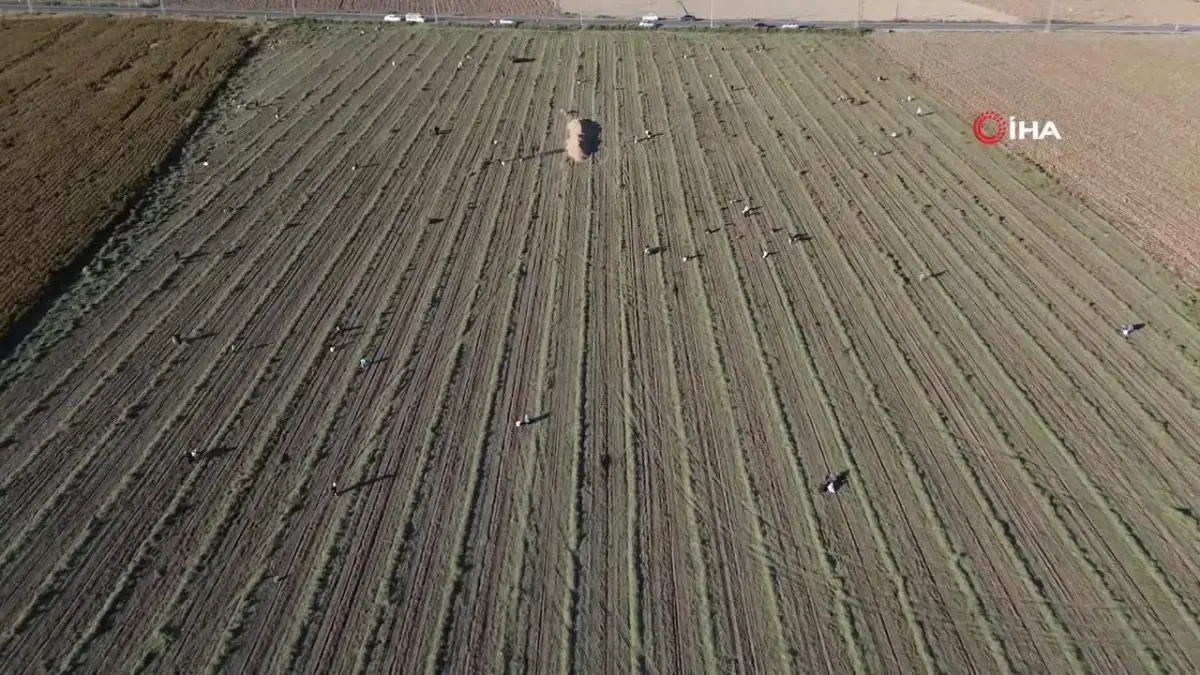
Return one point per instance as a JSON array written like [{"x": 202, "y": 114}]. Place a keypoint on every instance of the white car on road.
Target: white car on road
[
  {"x": 414, "y": 18},
  {"x": 393, "y": 18}
]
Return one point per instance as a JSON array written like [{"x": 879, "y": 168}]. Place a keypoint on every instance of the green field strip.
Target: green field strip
[
  {"x": 919, "y": 647},
  {"x": 230, "y": 512},
  {"x": 463, "y": 551},
  {"x": 799, "y": 600},
  {"x": 1099, "y": 304},
  {"x": 1163, "y": 427},
  {"x": 605, "y": 625},
  {"x": 437, "y": 154},
  {"x": 1070, "y": 461},
  {"x": 789, "y": 431},
  {"x": 1115, "y": 259},
  {"x": 418, "y": 492},
  {"x": 864, "y": 191},
  {"x": 1005, "y": 234},
  {"x": 643, "y": 481},
  {"x": 1031, "y": 335},
  {"x": 670, "y": 571},
  {"x": 122, "y": 363},
  {"x": 970, "y": 587},
  {"x": 676, "y": 601},
  {"x": 465, "y": 343},
  {"x": 300, "y": 431},
  {"x": 1098, "y": 419},
  {"x": 366, "y": 392},
  {"x": 1050, "y": 517},
  {"x": 347, "y": 592},
  {"x": 907, "y": 466},
  {"x": 475, "y": 643},
  {"x": 915, "y": 475},
  {"x": 543, "y": 604},
  {"x": 753, "y": 631},
  {"x": 846, "y": 619},
  {"x": 257, "y": 461},
  {"x": 1081, "y": 326}
]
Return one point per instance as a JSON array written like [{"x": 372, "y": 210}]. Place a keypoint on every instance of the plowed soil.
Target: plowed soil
[
  {"x": 89, "y": 108},
  {"x": 369, "y": 306}
]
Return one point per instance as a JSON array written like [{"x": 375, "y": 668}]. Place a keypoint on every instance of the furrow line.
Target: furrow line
[{"x": 300, "y": 433}]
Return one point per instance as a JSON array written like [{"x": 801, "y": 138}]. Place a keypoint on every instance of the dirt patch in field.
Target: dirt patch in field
[
  {"x": 583, "y": 139},
  {"x": 90, "y": 108}
]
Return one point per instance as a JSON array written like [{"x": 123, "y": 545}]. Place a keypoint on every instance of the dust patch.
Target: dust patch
[{"x": 583, "y": 139}]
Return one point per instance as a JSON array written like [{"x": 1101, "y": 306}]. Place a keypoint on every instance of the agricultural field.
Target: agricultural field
[
  {"x": 391, "y": 257},
  {"x": 89, "y": 109},
  {"x": 1123, "y": 103},
  {"x": 524, "y": 8},
  {"x": 1003, "y": 11}
]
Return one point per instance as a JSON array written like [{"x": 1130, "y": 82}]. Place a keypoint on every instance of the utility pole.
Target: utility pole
[
  {"x": 293, "y": 9},
  {"x": 1049, "y": 14},
  {"x": 162, "y": 9},
  {"x": 711, "y": 9}
]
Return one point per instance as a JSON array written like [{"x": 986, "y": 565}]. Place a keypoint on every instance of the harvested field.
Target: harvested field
[
  {"x": 524, "y": 8},
  {"x": 89, "y": 109},
  {"x": 1124, "y": 105},
  {"x": 930, "y": 316}
]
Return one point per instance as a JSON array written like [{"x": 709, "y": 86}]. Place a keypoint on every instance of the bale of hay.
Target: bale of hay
[{"x": 583, "y": 139}]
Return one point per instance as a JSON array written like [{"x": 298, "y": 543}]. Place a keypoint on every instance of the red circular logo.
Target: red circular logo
[{"x": 999, "y": 127}]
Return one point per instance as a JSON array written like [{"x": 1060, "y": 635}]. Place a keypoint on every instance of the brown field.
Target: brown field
[
  {"x": 1021, "y": 481},
  {"x": 89, "y": 109},
  {"x": 1124, "y": 104}
]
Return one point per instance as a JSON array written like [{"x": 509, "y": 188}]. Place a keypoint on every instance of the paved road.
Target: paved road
[{"x": 596, "y": 21}]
